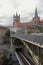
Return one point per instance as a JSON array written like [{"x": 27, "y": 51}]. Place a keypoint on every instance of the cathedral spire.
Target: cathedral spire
[{"x": 36, "y": 13}]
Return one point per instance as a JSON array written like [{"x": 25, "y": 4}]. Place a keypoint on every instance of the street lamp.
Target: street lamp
[
  {"x": 12, "y": 49},
  {"x": 11, "y": 45}
]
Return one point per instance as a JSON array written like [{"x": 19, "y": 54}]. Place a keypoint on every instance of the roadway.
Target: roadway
[{"x": 38, "y": 39}]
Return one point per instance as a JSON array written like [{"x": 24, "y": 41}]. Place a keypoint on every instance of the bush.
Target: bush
[
  {"x": 30, "y": 31},
  {"x": 7, "y": 33},
  {"x": 6, "y": 40},
  {"x": 41, "y": 31}
]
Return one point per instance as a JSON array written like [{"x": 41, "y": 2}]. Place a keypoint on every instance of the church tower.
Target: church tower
[
  {"x": 36, "y": 18},
  {"x": 16, "y": 18},
  {"x": 16, "y": 23}
]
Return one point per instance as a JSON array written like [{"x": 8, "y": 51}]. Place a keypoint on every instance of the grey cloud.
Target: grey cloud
[
  {"x": 9, "y": 21},
  {"x": 15, "y": 3},
  {"x": 26, "y": 15}
]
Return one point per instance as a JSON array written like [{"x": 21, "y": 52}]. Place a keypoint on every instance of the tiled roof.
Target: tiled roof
[
  {"x": 16, "y": 24},
  {"x": 3, "y": 27},
  {"x": 41, "y": 21},
  {"x": 26, "y": 23}
]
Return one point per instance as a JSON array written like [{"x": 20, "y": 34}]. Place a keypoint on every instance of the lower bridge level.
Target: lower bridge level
[{"x": 34, "y": 52}]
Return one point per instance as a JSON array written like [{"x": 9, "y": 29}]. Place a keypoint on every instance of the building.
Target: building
[
  {"x": 25, "y": 26},
  {"x": 36, "y": 18},
  {"x": 16, "y": 18},
  {"x": 18, "y": 26},
  {"x": 16, "y": 23},
  {"x": 42, "y": 22},
  {"x": 36, "y": 22},
  {"x": 35, "y": 25}
]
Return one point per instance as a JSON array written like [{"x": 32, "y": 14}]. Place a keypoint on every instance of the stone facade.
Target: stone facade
[
  {"x": 36, "y": 18},
  {"x": 16, "y": 23}
]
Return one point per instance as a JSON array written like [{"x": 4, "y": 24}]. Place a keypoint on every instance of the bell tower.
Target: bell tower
[
  {"x": 16, "y": 18},
  {"x": 36, "y": 18}
]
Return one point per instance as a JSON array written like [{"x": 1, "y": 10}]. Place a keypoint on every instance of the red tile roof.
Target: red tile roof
[
  {"x": 26, "y": 23},
  {"x": 41, "y": 21},
  {"x": 16, "y": 24},
  {"x": 3, "y": 27}
]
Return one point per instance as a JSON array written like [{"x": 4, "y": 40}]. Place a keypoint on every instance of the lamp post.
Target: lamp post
[
  {"x": 11, "y": 45},
  {"x": 12, "y": 49}
]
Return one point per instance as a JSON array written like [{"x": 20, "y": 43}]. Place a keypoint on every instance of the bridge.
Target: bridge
[
  {"x": 33, "y": 44},
  {"x": 32, "y": 39}
]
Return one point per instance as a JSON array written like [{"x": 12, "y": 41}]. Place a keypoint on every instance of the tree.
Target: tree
[
  {"x": 7, "y": 39},
  {"x": 41, "y": 31},
  {"x": 5, "y": 60},
  {"x": 7, "y": 33},
  {"x": 30, "y": 31}
]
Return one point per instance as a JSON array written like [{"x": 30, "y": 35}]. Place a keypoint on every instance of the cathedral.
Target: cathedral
[
  {"x": 16, "y": 18},
  {"x": 36, "y": 18},
  {"x": 33, "y": 25},
  {"x": 16, "y": 23}
]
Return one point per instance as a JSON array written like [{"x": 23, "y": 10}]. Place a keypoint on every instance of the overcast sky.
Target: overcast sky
[{"x": 25, "y": 8}]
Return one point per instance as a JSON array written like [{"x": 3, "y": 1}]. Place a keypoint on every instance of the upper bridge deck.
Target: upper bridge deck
[{"x": 31, "y": 38}]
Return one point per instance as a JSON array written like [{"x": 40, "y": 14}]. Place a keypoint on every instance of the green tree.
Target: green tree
[
  {"x": 30, "y": 31},
  {"x": 5, "y": 60},
  {"x": 41, "y": 31},
  {"x": 7, "y": 39},
  {"x": 7, "y": 33}
]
